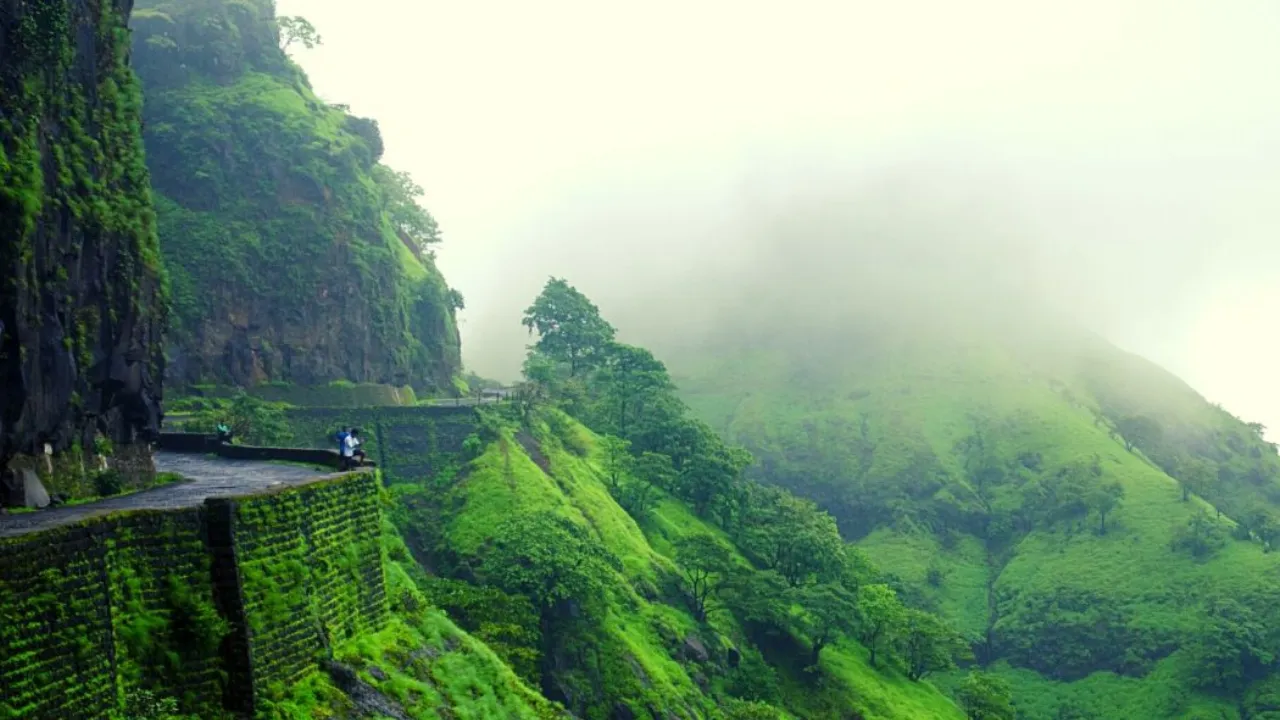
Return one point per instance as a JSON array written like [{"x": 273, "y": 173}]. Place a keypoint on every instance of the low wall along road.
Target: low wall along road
[{"x": 245, "y": 573}]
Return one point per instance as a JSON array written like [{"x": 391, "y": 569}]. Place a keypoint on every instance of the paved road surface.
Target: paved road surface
[{"x": 207, "y": 476}]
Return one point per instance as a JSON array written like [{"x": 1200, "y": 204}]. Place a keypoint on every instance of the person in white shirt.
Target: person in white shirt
[{"x": 352, "y": 455}]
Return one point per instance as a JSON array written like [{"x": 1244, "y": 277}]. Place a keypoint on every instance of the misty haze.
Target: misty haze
[
  {"x": 685, "y": 361},
  {"x": 1127, "y": 147}
]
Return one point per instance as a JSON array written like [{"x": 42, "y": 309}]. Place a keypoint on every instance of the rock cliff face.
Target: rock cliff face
[
  {"x": 275, "y": 217},
  {"x": 81, "y": 304}
]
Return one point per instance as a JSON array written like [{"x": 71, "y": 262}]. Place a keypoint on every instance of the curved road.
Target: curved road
[{"x": 206, "y": 476}]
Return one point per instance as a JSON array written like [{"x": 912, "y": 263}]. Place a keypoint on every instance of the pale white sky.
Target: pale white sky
[{"x": 625, "y": 146}]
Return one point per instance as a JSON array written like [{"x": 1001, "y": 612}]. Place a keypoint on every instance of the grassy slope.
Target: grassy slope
[
  {"x": 505, "y": 480},
  {"x": 422, "y": 661},
  {"x": 802, "y": 416}
]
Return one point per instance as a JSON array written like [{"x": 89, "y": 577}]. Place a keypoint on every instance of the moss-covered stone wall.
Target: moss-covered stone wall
[
  {"x": 218, "y": 605},
  {"x": 409, "y": 444},
  {"x": 92, "y": 611},
  {"x": 56, "y": 643},
  {"x": 311, "y": 575}
]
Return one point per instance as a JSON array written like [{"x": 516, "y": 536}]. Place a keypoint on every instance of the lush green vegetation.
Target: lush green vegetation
[
  {"x": 421, "y": 665},
  {"x": 1098, "y": 531},
  {"x": 931, "y": 520},
  {"x": 251, "y": 420},
  {"x": 608, "y": 546},
  {"x": 294, "y": 254}
]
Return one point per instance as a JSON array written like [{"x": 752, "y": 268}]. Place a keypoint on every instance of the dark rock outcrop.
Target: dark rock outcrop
[
  {"x": 81, "y": 303},
  {"x": 367, "y": 701}
]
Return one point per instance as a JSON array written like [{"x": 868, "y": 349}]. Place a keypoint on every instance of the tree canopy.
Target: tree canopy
[
  {"x": 297, "y": 29},
  {"x": 569, "y": 327},
  {"x": 547, "y": 558}
]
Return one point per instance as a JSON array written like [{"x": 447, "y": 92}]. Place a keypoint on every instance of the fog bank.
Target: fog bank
[{"x": 1114, "y": 159}]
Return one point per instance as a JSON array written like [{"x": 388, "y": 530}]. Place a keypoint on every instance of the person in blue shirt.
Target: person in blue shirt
[{"x": 344, "y": 452}]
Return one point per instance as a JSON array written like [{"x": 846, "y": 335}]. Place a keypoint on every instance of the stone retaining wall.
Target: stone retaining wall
[{"x": 215, "y": 604}]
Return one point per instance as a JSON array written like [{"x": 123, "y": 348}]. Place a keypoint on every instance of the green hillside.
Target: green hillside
[
  {"x": 606, "y": 546},
  {"x": 1024, "y": 487},
  {"x": 294, "y": 255},
  {"x": 641, "y": 648}
]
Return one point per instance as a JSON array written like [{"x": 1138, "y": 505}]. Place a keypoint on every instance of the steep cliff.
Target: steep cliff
[
  {"x": 283, "y": 234},
  {"x": 81, "y": 305}
]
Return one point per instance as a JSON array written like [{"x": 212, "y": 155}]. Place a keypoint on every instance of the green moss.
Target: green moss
[
  {"x": 304, "y": 590},
  {"x": 134, "y": 612}
]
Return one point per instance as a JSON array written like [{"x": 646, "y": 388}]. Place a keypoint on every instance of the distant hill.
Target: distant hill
[
  {"x": 294, "y": 255},
  {"x": 1027, "y": 481}
]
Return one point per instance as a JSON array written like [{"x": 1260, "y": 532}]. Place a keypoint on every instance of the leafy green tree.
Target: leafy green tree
[
  {"x": 829, "y": 611},
  {"x": 415, "y": 226},
  {"x": 297, "y": 29},
  {"x": 549, "y": 559},
  {"x": 1195, "y": 476},
  {"x": 257, "y": 421},
  {"x": 456, "y": 300},
  {"x": 984, "y": 696},
  {"x": 930, "y": 644},
  {"x": 631, "y": 375},
  {"x": 1103, "y": 499},
  {"x": 758, "y": 598},
  {"x": 536, "y": 390},
  {"x": 1202, "y": 536},
  {"x": 637, "y": 497},
  {"x": 881, "y": 619},
  {"x": 856, "y": 569},
  {"x": 1233, "y": 648},
  {"x": 506, "y": 623},
  {"x": 709, "y": 475},
  {"x": 617, "y": 459},
  {"x": 793, "y": 536},
  {"x": 570, "y": 329},
  {"x": 753, "y": 678},
  {"x": 654, "y": 469},
  {"x": 670, "y": 433},
  {"x": 1139, "y": 431},
  {"x": 704, "y": 563},
  {"x": 648, "y": 472},
  {"x": 1062, "y": 496},
  {"x": 1263, "y": 523}
]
